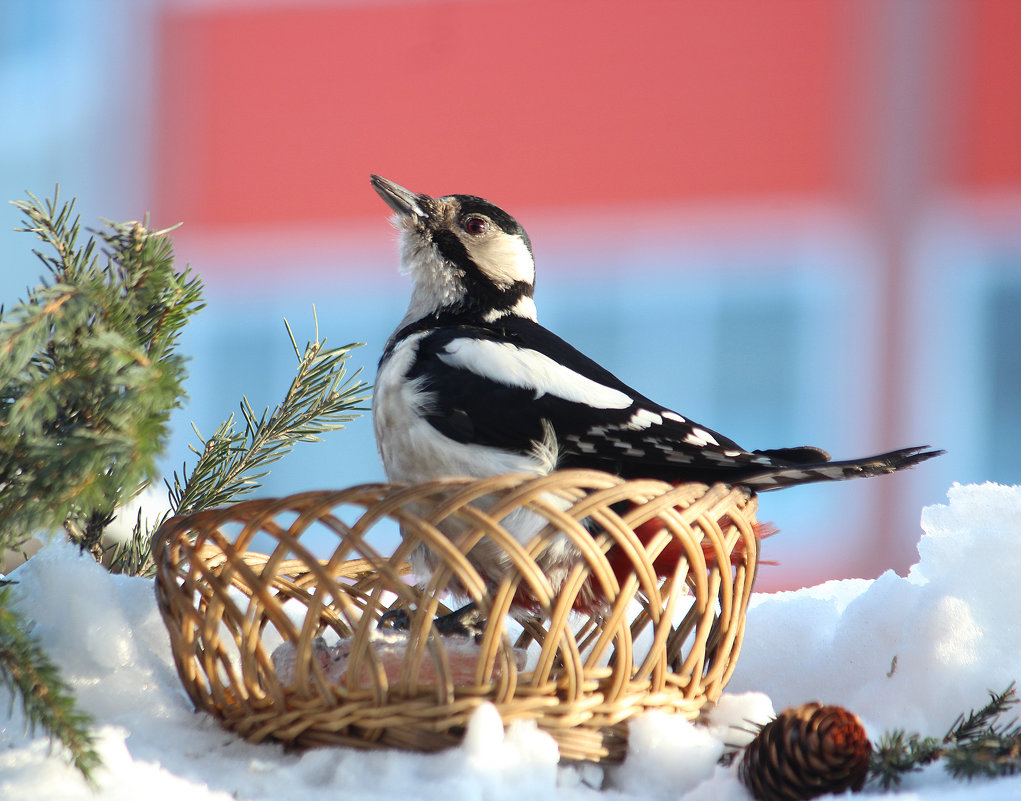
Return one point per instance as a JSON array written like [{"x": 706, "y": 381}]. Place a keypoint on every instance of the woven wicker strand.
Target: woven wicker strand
[{"x": 655, "y": 643}]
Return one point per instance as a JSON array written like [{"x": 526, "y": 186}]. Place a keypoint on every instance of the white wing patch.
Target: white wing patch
[
  {"x": 674, "y": 416},
  {"x": 643, "y": 419},
  {"x": 413, "y": 450},
  {"x": 528, "y": 369},
  {"x": 700, "y": 438}
]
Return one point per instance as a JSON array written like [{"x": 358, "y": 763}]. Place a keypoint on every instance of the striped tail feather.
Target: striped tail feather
[{"x": 802, "y": 472}]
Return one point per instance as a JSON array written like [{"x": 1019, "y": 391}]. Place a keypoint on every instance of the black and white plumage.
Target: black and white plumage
[{"x": 471, "y": 384}]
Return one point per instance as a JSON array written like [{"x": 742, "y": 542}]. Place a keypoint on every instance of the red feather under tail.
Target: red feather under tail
[
  {"x": 592, "y": 600},
  {"x": 665, "y": 563},
  {"x": 668, "y": 558}
]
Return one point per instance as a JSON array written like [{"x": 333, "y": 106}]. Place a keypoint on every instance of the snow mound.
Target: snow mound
[{"x": 909, "y": 652}]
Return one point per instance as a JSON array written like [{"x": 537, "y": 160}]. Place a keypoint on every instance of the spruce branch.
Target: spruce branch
[
  {"x": 983, "y": 722},
  {"x": 89, "y": 373},
  {"x": 87, "y": 383},
  {"x": 134, "y": 556},
  {"x": 899, "y": 753},
  {"x": 47, "y": 702},
  {"x": 978, "y": 744},
  {"x": 982, "y": 745},
  {"x": 988, "y": 756},
  {"x": 321, "y": 398}
]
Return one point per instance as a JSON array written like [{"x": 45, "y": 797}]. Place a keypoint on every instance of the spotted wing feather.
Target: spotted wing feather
[{"x": 509, "y": 384}]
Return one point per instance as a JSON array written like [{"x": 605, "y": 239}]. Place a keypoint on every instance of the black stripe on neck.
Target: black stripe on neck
[{"x": 449, "y": 317}]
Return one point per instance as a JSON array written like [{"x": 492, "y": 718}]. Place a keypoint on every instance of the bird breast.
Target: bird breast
[{"x": 412, "y": 449}]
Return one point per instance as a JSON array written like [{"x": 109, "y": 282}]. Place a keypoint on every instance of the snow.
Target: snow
[{"x": 909, "y": 652}]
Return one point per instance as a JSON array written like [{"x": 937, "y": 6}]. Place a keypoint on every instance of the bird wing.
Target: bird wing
[{"x": 508, "y": 385}]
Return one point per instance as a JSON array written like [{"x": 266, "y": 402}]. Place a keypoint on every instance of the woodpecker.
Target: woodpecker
[{"x": 470, "y": 384}]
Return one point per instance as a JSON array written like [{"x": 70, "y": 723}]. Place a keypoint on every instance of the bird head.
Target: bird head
[{"x": 465, "y": 255}]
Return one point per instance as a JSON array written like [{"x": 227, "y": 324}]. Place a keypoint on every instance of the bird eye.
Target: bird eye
[{"x": 476, "y": 225}]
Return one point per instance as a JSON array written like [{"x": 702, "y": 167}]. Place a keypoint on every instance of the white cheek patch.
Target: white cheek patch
[
  {"x": 504, "y": 259},
  {"x": 529, "y": 369}
]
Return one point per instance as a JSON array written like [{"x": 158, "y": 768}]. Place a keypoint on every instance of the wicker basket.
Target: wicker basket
[{"x": 656, "y": 643}]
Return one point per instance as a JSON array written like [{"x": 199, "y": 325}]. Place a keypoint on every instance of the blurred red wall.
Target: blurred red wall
[
  {"x": 277, "y": 113},
  {"x": 282, "y": 112}
]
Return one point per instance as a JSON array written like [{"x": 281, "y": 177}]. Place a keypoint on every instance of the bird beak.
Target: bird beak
[{"x": 401, "y": 200}]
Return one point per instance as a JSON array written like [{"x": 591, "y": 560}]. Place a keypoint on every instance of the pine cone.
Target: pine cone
[{"x": 807, "y": 751}]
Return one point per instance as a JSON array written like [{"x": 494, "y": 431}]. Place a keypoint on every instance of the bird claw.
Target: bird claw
[
  {"x": 394, "y": 620},
  {"x": 464, "y": 622}
]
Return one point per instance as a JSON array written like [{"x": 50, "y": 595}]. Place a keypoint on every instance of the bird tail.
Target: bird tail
[{"x": 793, "y": 468}]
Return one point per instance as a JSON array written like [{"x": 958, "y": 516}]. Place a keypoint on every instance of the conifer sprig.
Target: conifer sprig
[
  {"x": 46, "y": 701},
  {"x": 899, "y": 753},
  {"x": 978, "y": 744},
  {"x": 88, "y": 378},
  {"x": 321, "y": 398},
  {"x": 89, "y": 374}
]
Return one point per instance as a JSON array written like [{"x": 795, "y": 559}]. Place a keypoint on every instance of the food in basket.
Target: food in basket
[{"x": 390, "y": 650}]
